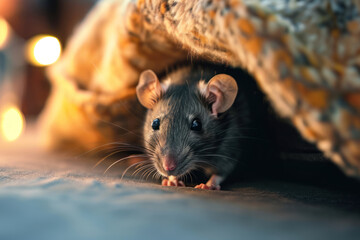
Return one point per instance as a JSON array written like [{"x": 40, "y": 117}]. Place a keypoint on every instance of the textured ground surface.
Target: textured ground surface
[{"x": 44, "y": 196}]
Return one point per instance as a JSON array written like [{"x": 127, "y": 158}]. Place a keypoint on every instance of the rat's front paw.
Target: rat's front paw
[
  {"x": 172, "y": 181},
  {"x": 211, "y": 187},
  {"x": 212, "y": 184}
]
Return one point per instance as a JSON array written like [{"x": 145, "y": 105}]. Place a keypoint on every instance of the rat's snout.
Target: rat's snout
[{"x": 169, "y": 162}]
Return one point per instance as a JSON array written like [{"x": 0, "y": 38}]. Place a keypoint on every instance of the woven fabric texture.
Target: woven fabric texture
[{"x": 304, "y": 54}]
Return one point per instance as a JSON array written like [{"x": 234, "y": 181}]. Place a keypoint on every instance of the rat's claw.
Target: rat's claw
[
  {"x": 164, "y": 182},
  {"x": 172, "y": 181},
  {"x": 204, "y": 186}
]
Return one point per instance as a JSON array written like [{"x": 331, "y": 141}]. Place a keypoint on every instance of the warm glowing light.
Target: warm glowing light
[
  {"x": 43, "y": 50},
  {"x": 12, "y": 123},
  {"x": 4, "y": 32}
]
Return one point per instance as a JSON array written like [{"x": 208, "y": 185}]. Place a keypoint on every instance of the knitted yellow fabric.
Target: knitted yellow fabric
[{"x": 305, "y": 55}]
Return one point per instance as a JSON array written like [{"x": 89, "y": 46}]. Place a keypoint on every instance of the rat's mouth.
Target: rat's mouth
[
  {"x": 179, "y": 173},
  {"x": 181, "y": 164}
]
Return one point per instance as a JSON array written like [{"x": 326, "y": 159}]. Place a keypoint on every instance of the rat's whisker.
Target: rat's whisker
[
  {"x": 144, "y": 173},
  {"x": 142, "y": 167},
  {"x": 128, "y": 168},
  {"x": 191, "y": 178},
  {"x": 157, "y": 175},
  {"x": 208, "y": 148},
  {"x": 224, "y": 157},
  {"x": 150, "y": 172},
  {"x": 197, "y": 161},
  {"x": 117, "y": 145},
  {"x": 107, "y": 156},
  {"x": 123, "y": 159}
]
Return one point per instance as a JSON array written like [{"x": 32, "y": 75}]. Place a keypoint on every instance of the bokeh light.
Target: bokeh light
[
  {"x": 4, "y": 32},
  {"x": 43, "y": 50},
  {"x": 12, "y": 123}
]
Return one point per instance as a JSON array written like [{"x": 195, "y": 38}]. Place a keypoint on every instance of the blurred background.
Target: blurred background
[{"x": 32, "y": 36}]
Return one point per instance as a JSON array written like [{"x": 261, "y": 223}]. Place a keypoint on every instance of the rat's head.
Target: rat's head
[{"x": 181, "y": 123}]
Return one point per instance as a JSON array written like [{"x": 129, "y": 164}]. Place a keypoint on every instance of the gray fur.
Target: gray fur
[{"x": 217, "y": 149}]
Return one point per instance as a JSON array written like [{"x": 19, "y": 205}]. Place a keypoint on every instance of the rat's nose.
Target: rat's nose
[{"x": 169, "y": 163}]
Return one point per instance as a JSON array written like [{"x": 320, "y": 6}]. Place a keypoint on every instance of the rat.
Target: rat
[{"x": 196, "y": 119}]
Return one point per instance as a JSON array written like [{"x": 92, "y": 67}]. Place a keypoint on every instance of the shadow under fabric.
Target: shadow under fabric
[{"x": 304, "y": 55}]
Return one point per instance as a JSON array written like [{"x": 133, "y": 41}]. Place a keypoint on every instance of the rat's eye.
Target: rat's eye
[
  {"x": 196, "y": 125},
  {"x": 155, "y": 124}
]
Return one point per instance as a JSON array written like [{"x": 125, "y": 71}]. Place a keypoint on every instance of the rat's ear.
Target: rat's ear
[
  {"x": 221, "y": 91},
  {"x": 149, "y": 89}
]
